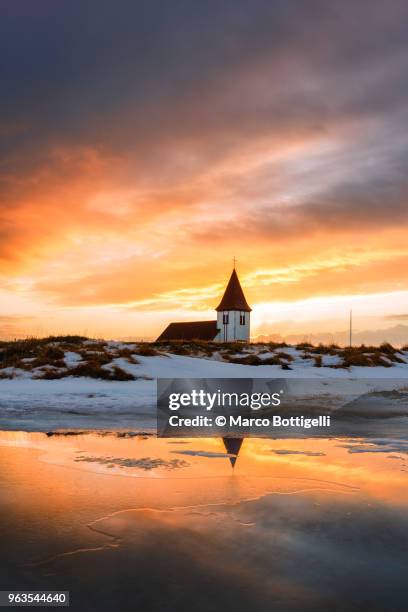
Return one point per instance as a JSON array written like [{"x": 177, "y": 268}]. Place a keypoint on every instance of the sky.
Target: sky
[{"x": 144, "y": 144}]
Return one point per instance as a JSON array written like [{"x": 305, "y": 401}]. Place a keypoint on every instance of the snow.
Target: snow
[
  {"x": 331, "y": 360},
  {"x": 71, "y": 358},
  {"x": 84, "y": 403}
]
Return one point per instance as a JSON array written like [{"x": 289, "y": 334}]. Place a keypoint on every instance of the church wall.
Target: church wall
[{"x": 234, "y": 330}]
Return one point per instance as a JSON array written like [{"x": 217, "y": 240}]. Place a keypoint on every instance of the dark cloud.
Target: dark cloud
[{"x": 150, "y": 74}]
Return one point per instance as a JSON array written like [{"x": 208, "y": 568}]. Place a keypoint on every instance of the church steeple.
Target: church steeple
[
  {"x": 233, "y": 298},
  {"x": 233, "y": 313}
]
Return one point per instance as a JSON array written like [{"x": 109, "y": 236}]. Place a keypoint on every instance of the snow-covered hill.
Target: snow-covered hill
[{"x": 93, "y": 384}]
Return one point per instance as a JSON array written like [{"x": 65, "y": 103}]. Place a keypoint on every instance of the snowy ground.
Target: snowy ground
[{"x": 86, "y": 403}]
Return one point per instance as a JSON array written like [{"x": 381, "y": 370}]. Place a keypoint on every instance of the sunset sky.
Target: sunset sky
[{"x": 143, "y": 144}]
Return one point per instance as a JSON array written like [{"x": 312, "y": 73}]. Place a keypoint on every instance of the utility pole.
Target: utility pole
[{"x": 351, "y": 327}]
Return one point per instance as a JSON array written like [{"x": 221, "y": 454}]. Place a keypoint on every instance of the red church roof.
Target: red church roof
[{"x": 233, "y": 298}]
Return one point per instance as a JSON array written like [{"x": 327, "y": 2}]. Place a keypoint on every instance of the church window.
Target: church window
[{"x": 225, "y": 318}]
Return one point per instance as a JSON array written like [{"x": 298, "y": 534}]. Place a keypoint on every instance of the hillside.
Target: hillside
[
  {"x": 75, "y": 356},
  {"x": 80, "y": 383}
]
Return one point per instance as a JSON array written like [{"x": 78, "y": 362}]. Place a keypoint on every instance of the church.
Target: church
[{"x": 232, "y": 323}]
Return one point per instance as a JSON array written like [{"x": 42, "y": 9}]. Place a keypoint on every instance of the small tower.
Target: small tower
[{"x": 233, "y": 313}]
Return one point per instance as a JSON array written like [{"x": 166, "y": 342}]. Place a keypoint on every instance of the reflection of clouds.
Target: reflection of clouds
[
  {"x": 144, "y": 463},
  {"x": 381, "y": 445},
  {"x": 201, "y": 453},
  {"x": 377, "y": 445},
  {"x": 284, "y": 451}
]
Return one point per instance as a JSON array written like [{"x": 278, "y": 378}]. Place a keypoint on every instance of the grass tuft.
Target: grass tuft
[
  {"x": 144, "y": 350},
  {"x": 93, "y": 369},
  {"x": 318, "y": 361}
]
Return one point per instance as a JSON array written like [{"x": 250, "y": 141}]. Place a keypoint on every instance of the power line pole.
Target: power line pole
[{"x": 351, "y": 327}]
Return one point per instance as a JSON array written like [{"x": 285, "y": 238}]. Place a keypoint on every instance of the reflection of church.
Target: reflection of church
[
  {"x": 233, "y": 446},
  {"x": 232, "y": 324}
]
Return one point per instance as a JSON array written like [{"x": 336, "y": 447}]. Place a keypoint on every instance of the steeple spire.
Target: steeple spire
[{"x": 233, "y": 298}]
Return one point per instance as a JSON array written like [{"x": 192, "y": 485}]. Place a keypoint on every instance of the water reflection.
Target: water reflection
[{"x": 127, "y": 521}]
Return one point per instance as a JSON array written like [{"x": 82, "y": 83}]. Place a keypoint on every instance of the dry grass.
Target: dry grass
[
  {"x": 145, "y": 350},
  {"x": 356, "y": 358},
  {"x": 51, "y": 374},
  {"x": 283, "y": 355},
  {"x": 200, "y": 347},
  {"x": 13, "y": 352},
  {"x": 49, "y": 355},
  {"x": 127, "y": 353},
  {"x": 254, "y": 360},
  {"x": 370, "y": 356},
  {"x": 6, "y": 376},
  {"x": 247, "y": 360},
  {"x": 93, "y": 369},
  {"x": 180, "y": 349},
  {"x": 277, "y": 345},
  {"x": 120, "y": 374},
  {"x": 303, "y": 345},
  {"x": 233, "y": 347},
  {"x": 274, "y": 360},
  {"x": 322, "y": 349},
  {"x": 97, "y": 345},
  {"x": 318, "y": 361},
  {"x": 99, "y": 357},
  {"x": 90, "y": 369}
]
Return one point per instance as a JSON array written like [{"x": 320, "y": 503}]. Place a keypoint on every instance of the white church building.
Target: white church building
[{"x": 232, "y": 324}]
